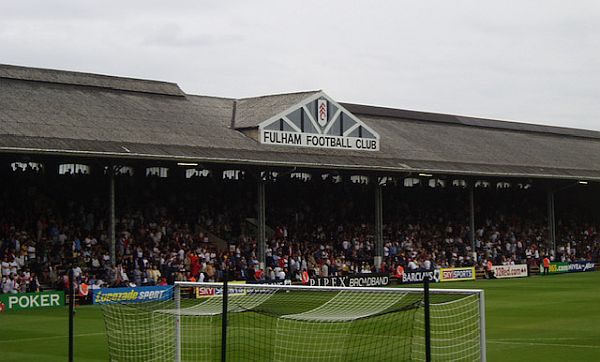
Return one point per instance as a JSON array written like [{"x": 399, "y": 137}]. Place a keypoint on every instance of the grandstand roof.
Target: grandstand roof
[{"x": 69, "y": 113}]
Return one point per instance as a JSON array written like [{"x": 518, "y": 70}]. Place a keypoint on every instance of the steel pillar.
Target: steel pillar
[
  {"x": 261, "y": 236},
  {"x": 378, "y": 226}
]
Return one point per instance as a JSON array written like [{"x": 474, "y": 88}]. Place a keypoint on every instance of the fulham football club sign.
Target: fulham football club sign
[{"x": 319, "y": 122}]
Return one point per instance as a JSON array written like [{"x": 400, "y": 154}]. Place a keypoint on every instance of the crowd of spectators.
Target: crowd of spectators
[{"x": 173, "y": 229}]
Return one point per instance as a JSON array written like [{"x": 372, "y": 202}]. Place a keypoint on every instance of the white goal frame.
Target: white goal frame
[{"x": 182, "y": 284}]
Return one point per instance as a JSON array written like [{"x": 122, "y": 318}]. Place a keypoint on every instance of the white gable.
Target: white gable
[{"x": 318, "y": 121}]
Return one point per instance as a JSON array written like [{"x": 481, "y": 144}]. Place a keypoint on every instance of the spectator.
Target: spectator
[{"x": 10, "y": 285}]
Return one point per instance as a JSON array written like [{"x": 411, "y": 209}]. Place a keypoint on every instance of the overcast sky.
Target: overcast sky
[{"x": 528, "y": 61}]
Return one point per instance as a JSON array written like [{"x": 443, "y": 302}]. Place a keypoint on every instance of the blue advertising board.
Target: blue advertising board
[
  {"x": 581, "y": 266},
  {"x": 132, "y": 295}
]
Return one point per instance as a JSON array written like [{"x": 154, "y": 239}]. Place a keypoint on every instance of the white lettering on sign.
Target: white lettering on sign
[
  {"x": 12, "y": 301},
  {"x": 355, "y": 280},
  {"x": 451, "y": 274},
  {"x": 322, "y": 112},
  {"x": 317, "y": 140},
  {"x": 32, "y": 301},
  {"x": 149, "y": 295}
]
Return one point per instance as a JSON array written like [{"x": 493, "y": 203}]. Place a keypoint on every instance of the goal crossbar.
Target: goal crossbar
[{"x": 328, "y": 289}]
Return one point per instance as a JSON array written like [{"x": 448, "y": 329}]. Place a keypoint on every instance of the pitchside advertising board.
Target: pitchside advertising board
[
  {"x": 571, "y": 267},
  {"x": 206, "y": 292},
  {"x": 510, "y": 271},
  {"x": 437, "y": 275},
  {"x": 413, "y": 277},
  {"x": 132, "y": 295},
  {"x": 11, "y": 302},
  {"x": 457, "y": 274},
  {"x": 353, "y": 280}
]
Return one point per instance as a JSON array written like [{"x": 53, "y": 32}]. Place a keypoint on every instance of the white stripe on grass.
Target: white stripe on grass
[
  {"x": 543, "y": 339},
  {"x": 49, "y": 337},
  {"x": 545, "y": 344}
]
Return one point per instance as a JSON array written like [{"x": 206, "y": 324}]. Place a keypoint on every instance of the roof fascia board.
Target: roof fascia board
[{"x": 258, "y": 162}]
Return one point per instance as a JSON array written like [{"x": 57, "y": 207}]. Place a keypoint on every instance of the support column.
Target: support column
[
  {"x": 551, "y": 223},
  {"x": 427, "y": 319},
  {"x": 261, "y": 236},
  {"x": 177, "y": 300},
  {"x": 71, "y": 291},
  {"x": 378, "y": 226},
  {"x": 472, "y": 221},
  {"x": 111, "y": 217}
]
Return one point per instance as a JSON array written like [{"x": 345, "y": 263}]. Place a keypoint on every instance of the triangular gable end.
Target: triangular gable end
[{"x": 318, "y": 121}]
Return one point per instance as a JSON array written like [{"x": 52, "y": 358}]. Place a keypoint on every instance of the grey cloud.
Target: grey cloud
[
  {"x": 529, "y": 61},
  {"x": 171, "y": 35}
]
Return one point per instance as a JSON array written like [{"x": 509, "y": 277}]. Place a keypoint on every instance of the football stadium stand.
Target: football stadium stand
[{"x": 136, "y": 182}]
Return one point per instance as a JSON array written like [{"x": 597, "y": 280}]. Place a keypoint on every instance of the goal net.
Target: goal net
[{"x": 298, "y": 323}]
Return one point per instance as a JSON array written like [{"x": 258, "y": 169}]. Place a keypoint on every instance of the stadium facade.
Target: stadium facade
[{"x": 59, "y": 117}]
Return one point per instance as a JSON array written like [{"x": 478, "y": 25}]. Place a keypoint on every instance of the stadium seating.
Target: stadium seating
[{"x": 171, "y": 229}]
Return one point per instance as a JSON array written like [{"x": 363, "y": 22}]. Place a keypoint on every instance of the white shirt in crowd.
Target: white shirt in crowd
[
  {"x": 281, "y": 275},
  {"x": 9, "y": 286},
  {"x": 5, "y": 268},
  {"x": 324, "y": 270},
  {"x": 427, "y": 264},
  {"x": 345, "y": 244},
  {"x": 13, "y": 267},
  {"x": 31, "y": 252}
]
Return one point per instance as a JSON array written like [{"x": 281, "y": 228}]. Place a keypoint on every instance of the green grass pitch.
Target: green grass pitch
[{"x": 553, "y": 318}]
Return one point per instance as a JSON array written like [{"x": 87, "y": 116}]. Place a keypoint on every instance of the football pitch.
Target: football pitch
[{"x": 553, "y": 318}]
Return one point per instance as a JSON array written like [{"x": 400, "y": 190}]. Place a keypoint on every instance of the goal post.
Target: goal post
[{"x": 266, "y": 322}]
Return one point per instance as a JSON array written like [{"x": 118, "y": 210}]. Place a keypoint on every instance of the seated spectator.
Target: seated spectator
[{"x": 10, "y": 285}]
